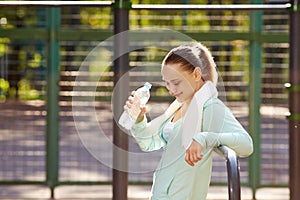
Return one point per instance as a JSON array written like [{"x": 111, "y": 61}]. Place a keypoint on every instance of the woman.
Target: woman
[{"x": 194, "y": 124}]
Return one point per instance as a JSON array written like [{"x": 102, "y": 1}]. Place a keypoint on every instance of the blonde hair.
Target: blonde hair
[{"x": 193, "y": 55}]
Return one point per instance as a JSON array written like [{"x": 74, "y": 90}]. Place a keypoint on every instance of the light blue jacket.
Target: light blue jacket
[{"x": 174, "y": 179}]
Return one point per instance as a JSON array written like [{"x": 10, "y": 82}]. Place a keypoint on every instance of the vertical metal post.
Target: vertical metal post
[
  {"x": 255, "y": 70},
  {"x": 184, "y": 14},
  {"x": 121, "y": 67},
  {"x": 52, "y": 106},
  {"x": 233, "y": 172},
  {"x": 294, "y": 105}
]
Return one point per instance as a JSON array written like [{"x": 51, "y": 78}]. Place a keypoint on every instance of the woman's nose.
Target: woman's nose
[{"x": 172, "y": 90}]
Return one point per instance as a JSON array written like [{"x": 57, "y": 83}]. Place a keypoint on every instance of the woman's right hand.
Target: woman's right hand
[{"x": 134, "y": 104}]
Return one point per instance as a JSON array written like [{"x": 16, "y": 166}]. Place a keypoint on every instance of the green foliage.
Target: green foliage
[
  {"x": 3, "y": 45},
  {"x": 4, "y": 87},
  {"x": 20, "y": 17},
  {"x": 96, "y": 17},
  {"x": 29, "y": 57},
  {"x": 100, "y": 63},
  {"x": 35, "y": 61},
  {"x": 26, "y": 91}
]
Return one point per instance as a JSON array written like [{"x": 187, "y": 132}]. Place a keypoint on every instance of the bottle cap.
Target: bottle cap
[{"x": 148, "y": 85}]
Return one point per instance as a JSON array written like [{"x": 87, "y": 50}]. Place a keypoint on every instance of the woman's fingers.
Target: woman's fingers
[
  {"x": 130, "y": 99},
  {"x": 193, "y": 153},
  {"x": 192, "y": 158},
  {"x": 133, "y": 105},
  {"x": 143, "y": 110},
  {"x": 188, "y": 159},
  {"x": 128, "y": 103}
]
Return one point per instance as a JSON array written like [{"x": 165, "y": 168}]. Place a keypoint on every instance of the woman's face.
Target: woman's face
[{"x": 180, "y": 83}]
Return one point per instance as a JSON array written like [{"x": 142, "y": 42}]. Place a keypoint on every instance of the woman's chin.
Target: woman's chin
[{"x": 179, "y": 99}]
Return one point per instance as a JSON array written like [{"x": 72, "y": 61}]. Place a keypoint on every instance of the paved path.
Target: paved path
[
  {"x": 22, "y": 155},
  {"x": 134, "y": 193}
]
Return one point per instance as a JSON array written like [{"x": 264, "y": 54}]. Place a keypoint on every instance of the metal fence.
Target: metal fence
[{"x": 250, "y": 48}]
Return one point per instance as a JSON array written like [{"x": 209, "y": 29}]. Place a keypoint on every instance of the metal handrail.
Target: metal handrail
[
  {"x": 233, "y": 172},
  {"x": 206, "y": 7}
]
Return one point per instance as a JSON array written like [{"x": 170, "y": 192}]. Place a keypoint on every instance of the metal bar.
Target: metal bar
[
  {"x": 21, "y": 182},
  {"x": 121, "y": 67},
  {"x": 294, "y": 106},
  {"x": 233, "y": 173},
  {"x": 55, "y": 3},
  {"x": 100, "y": 35},
  {"x": 150, "y": 6},
  {"x": 234, "y": 185},
  {"x": 295, "y": 116},
  {"x": 290, "y": 87},
  {"x": 210, "y": 7},
  {"x": 255, "y": 71},
  {"x": 52, "y": 106}
]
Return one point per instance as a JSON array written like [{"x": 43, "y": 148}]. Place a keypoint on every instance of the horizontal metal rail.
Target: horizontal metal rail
[
  {"x": 55, "y": 3},
  {"x": 149, "y": 6},
  {"x": 92, "y": 35},
  {"x": 211, "y": 7}
]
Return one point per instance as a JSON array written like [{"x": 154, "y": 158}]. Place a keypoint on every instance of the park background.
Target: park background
[{"x": 249, "y": 47}]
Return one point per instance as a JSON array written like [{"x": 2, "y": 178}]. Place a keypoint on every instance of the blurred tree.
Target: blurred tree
[{"x": 14, "y": 75}]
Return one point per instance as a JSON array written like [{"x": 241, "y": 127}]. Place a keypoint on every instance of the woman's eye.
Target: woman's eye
[{"x": 176, "y": 83}]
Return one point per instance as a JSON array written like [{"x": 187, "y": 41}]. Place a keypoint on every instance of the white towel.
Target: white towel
[{"x": 192, "y": 122}]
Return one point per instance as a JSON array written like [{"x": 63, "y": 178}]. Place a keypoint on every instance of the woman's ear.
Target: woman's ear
[{"x": 198, "y": 74}]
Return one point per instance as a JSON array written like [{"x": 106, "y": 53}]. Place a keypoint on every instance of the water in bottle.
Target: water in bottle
[{"x": 141, "y": 97}]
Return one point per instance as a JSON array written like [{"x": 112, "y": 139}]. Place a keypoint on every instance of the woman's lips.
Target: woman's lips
[{"x": 177, "y": 95}]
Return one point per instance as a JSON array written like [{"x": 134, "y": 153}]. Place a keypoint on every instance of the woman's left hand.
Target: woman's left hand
[{"x": 193, "y": 153}]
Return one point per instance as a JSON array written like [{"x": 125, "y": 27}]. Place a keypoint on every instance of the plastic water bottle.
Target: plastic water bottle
[{"x": 141, "y": 97}]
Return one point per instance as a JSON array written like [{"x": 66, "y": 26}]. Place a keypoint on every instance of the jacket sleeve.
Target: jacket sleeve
[
  {"x": 147, "y": 134},
  {"x": 220, "y": 127}
]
